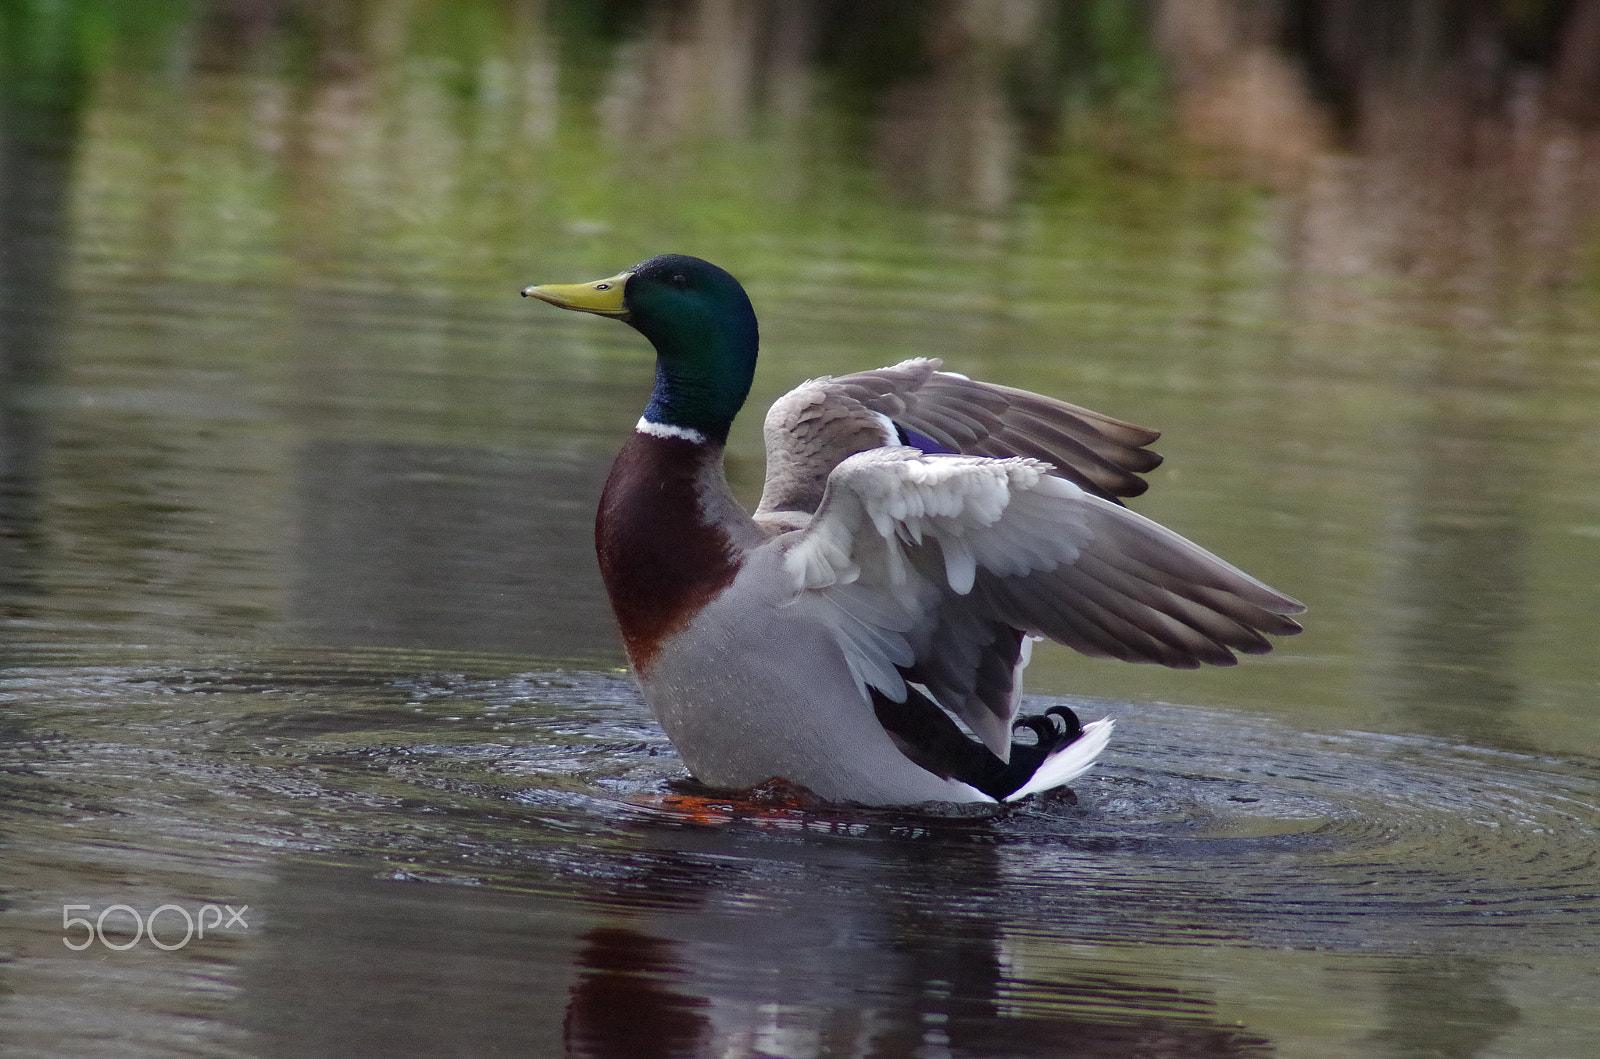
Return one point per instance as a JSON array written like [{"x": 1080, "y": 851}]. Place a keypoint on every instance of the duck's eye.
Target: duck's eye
[{"x": 679, "y": 280}]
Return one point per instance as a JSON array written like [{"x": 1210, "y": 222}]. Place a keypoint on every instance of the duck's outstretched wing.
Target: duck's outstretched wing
[
  {"x": 930, "y": 567},
  {"x": 813, "y": 427},
  {"x": 1104, "y": 456}
]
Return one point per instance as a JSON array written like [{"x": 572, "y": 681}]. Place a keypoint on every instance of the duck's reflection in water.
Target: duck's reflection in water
[
  {"x": 668, "y": 938},
  {"x": 853, "y": 948}
]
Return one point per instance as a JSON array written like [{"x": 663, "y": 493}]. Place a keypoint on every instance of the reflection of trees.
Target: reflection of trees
[
  {"x": 1451, "y": 151},
  {"x": 943, "y": 129},
  {"x": 41, "y": 97},
  {"x": 1406, "y": 118},
  {"x": 706, "y": 68},
  {"x": 1438, "y": 103},
  {"x": 956, "y": 89},
  {"x": 950, "y": 135}
]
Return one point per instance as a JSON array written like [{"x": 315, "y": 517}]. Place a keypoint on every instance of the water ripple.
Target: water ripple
[
  {"x": 1197, "y": 827},
  {"x": 1349, "y": 840}
]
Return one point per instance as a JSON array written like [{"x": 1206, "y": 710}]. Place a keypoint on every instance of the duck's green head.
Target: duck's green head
[{"x": 700, "y": 321}]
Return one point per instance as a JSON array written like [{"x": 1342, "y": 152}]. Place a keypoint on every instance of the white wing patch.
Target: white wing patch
[
  {"x": 866, "y": 552},
  {"x": 909, "y": 497}
]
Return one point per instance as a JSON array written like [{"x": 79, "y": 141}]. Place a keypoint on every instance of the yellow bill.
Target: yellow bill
[{"x": 603, "y": 297}]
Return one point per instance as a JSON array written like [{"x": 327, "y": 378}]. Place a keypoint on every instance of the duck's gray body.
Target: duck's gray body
[{"x": 755, "y": 688}]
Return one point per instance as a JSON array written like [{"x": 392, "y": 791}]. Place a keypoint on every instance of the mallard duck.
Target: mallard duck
[{"x": 917, "y": 532}]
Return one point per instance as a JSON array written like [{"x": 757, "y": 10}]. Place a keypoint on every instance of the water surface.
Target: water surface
[{"x": 298, "y": 613}]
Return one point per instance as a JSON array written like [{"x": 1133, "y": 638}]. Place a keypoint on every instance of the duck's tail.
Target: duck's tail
[{"x": 1068, "y": 763}]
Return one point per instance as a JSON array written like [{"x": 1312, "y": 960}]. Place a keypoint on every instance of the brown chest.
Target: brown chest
[{"x": 661, "y": 554}]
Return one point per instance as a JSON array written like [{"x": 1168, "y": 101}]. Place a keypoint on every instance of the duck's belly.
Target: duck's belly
[{"x": 756, "y": 691}]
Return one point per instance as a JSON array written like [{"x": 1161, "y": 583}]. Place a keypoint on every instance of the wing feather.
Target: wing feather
[
  {"x": 1102, "y": 455},
  {"x": 937, "y": 564}
]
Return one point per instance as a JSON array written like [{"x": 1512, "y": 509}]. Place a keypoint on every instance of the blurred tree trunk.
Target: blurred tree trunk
[
  {"x": 1238, "y": 90},
  {"x": 1575, "y": 82}
]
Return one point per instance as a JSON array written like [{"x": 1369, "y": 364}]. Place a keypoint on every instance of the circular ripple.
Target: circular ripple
[
  {"x": 1221, "y": 826},
  {"x": 1196, "y": 826}
]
